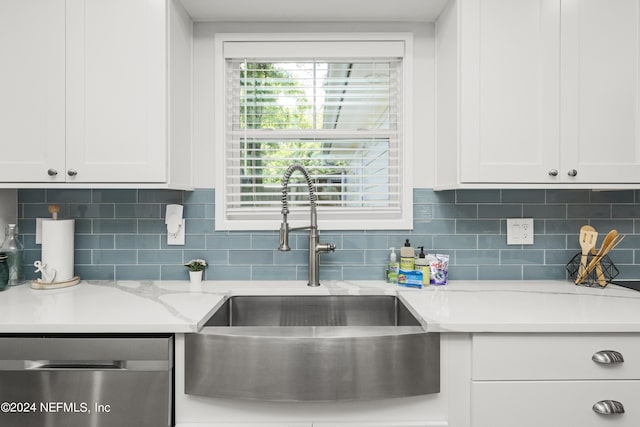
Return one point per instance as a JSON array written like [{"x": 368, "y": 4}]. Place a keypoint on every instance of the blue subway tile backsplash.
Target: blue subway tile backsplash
[{"x": 121, "y": 235}]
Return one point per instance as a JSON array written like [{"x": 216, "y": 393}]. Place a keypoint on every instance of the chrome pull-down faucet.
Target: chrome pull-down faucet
[{"x": 315, "y": 247}]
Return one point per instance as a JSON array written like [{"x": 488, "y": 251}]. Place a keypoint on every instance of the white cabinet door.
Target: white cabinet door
[
  {"x": 117, "y": 90},
  {"x": 32, "y": 90},
  {"x": 600, "y": 95},
  {"x": 548, "y": 93},
  {"x": 509, "y": 87}
]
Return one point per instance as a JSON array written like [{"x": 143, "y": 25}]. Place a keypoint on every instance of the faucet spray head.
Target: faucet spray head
[{"x": 284, "y": 237}]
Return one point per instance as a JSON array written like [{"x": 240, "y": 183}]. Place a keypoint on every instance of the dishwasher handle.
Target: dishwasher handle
[
  {"x": 68, "y": 365},
  {"x": 85, "y": 365}
]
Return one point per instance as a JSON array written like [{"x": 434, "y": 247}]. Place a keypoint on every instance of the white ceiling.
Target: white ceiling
[{"x": 314, "y": 10}]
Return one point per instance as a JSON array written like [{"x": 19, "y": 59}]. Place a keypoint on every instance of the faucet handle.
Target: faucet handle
[{"x": 326, "y": 247}]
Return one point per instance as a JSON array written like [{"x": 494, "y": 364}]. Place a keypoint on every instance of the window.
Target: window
[{"x": 337, "y": 107}]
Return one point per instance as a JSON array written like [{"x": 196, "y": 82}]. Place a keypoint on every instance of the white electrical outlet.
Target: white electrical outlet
[
  {"x": 519, "y": 231},
  {"x": 177, "y": 238}
]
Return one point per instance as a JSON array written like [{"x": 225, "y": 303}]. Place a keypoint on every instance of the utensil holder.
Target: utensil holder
[{"x": 609, "y": 270}]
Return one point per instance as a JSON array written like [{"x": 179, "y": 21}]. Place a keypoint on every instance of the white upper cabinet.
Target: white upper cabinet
[
  {"x": 100, "y": 75},
  {"x": 116, "y": 113},
  {"x": 538, "y": 93},
  {"x": 600, "y": 92},
  {"x": 508, "y": 90},
  {"x": 32, "y": 89}
]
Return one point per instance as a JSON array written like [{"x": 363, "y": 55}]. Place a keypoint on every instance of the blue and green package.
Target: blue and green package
[{"x": 410, "y": 278}]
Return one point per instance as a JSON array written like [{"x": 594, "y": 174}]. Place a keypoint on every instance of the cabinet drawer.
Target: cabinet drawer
[
  {"x": 553, "y": 356},
  {"x": 552, "y": 403}
]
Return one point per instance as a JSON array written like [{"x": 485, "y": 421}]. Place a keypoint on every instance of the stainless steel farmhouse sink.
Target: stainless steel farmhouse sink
[{"x": 312, "y": 348}]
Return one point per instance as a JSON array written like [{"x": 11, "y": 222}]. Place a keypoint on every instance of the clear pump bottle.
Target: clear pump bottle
[
  {"x": 407, "y": 256},
  {"x": 392, "y": 267},
  {"x": 14, "y": 250},
  {"x": 422, "y": 264}
]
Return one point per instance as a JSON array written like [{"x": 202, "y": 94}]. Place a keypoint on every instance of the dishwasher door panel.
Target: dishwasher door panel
[
  {"x": 90, "y": 398},
  {"x": 86, "y": 381}
]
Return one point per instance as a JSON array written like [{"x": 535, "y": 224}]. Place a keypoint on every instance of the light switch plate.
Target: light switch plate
[{"x": 519, "y": 231}]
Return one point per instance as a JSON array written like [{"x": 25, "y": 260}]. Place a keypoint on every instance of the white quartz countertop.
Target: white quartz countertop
[
  {"x": 462, "y": 306},
  {"x": 527, "y": 306}
]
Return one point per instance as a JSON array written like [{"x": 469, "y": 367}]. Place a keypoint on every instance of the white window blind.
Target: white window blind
[{"x": 340, "y": 116}]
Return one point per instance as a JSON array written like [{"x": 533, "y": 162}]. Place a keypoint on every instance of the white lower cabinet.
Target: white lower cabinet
[
  {"x": 555, "y": 380},
  {"x": 552, "y": 403}
]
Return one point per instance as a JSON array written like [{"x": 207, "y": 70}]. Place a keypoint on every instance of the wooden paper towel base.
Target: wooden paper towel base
[{"x": 55, "y": 285}]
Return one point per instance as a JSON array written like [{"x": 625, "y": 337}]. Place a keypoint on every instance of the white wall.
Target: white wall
[{"x": 423, "y": 92}]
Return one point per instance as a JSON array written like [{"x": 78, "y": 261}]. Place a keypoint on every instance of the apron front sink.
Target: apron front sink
[{"x": 312, "y": 348}]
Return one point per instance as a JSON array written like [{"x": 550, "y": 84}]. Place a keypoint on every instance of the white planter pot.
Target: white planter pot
[{"x": 195, "y": 277}]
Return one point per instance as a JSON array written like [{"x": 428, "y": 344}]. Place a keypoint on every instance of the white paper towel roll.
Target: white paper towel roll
[{"x": 57, "y": 247}]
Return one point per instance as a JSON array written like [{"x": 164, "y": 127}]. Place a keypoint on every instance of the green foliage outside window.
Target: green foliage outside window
[{"x": 275, "y": 99}]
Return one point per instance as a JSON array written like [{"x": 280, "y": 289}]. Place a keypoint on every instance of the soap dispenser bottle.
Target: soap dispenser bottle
[
  {"x": 392, "y": 267},
  {"x": 422, "y": 264},
  {"x": 407, "y": 256}
]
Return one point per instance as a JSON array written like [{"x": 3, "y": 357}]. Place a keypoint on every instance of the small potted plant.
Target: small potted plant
[{"x": 196, "y": 267}]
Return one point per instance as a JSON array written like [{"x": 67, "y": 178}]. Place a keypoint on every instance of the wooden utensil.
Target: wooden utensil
[
  {"x": 605, "y": 248},
  {"x": 588, "y": 239},
  {"x": 611, "y": 240},
  {"x": 602, "y": 281},
  {"x": 611, "y": 235}
]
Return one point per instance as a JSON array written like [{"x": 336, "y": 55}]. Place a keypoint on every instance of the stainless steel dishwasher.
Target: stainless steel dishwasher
[{"x": 88, "y": 381}]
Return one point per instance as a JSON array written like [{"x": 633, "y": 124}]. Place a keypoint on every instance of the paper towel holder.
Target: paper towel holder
[
  {"x": 175, "y": 224},
  {"x": 55, "y": 268}
]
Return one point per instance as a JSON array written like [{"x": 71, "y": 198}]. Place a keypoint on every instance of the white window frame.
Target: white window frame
[{"x": 326, "y": 220}]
